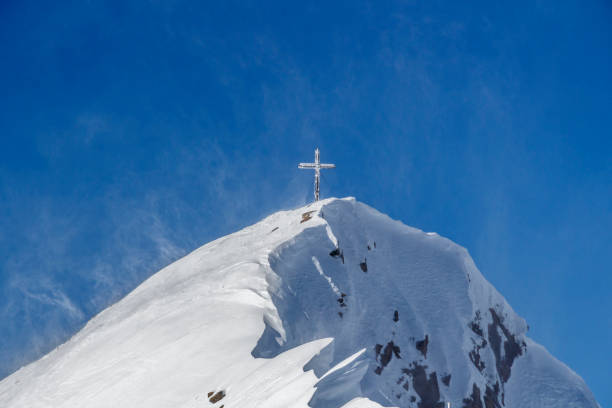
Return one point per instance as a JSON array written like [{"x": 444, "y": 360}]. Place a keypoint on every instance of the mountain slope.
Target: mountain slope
[{"x": 331, "y": 305}]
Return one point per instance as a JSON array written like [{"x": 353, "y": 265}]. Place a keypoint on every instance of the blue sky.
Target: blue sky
[{"x": 134, "y": 132}]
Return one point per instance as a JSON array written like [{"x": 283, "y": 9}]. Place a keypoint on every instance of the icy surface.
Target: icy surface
[{"x": 330, "y": 305}]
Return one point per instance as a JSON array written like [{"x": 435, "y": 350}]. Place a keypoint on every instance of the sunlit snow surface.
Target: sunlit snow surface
[{"x": 341, "y": 307}]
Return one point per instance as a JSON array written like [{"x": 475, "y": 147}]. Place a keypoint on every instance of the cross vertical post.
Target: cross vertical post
[{"x": 316, "y": 166}]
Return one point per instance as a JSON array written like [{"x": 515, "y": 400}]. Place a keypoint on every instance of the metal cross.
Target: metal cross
[{"x": 317, "y": 166}]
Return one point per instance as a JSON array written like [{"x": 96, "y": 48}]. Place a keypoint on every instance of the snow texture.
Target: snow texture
[{"x": 331, "y": 305}]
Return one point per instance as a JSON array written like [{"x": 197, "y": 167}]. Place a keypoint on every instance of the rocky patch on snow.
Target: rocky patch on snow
[
  {"x": 215, "y": 397},
  {"x": 446, "y": 379},
  {"x": 426, "y": 386},
  {"x": 512, "y": 348},
  {"x": 384, "y": 356},
  {"x": 421, "y": 345},
  {"x": 475, "y": 324},
  {"x": 505, "y": 348},
  {"x": 478, "y": 343},
  {"x": 474, "y": 354},
  {"x": 473, "y": 400},
  {"x": 337, "y": 253},
  {"x": 307, "y": 215},
  {"x": 491, "y": 398}
]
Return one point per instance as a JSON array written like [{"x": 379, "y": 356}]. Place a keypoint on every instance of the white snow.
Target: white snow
[
  {"x": 329, "y": 280},
  {"x": 257, "y": 314}
]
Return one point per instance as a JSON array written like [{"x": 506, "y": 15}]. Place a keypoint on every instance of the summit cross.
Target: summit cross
[{"x": 317, "y": 166}]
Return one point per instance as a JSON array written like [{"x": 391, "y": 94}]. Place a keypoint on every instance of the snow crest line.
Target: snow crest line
[{"x": 329, "y": 280}]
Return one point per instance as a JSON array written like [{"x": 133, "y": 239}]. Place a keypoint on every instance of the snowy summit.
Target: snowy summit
[{"x": 330, "y": 305}]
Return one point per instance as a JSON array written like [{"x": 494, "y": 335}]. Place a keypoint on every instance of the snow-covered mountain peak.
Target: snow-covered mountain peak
[{"x": 330, "y": 305}]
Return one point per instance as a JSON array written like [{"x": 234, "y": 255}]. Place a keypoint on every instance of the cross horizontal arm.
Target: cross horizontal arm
[{"x": 315, "y": 165}]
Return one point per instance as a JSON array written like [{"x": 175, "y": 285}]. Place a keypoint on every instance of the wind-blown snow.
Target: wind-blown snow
[
  {"x": 329, "y": 280},
  {"x": 342, "y": 307}
]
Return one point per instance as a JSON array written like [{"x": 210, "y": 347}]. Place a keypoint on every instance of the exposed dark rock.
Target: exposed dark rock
[
  {"x": 475, "y": 359},
  {"x": 209, "y": 394},
  {"x": 396, "y": 350},
  {"x": 399, "y": 380},
  {"x": 377, "y": 350},
  {"x": 412, "y": 398},
  {"x": 495, "y": 340},
  {"x": 217, "y": 397},
  {"x": 306, "y": 216},
  {"x": 340, "y": 314},
  {"x": 335, "y": 253},
  {"x": 387, "y": 354},
  {"x": 396, "y": 316},
  {"x": 421, "y": 345},
  {"x": 475, "y": 355},
  {"x": 406, "y": 385},
  {"x": 425, "y": 387},
  {"x": 446, "y": 379},
  {"x": 476, "y": 328},
  {"x": 374, "y": 244},
  {"x": 475, "y": 324},
  {"x": 369, "y": 248},
  {"x": 512, "y": 348},
  {"x": 275, "y": 228},
  {"x": 364, "y": 265},
  {"x": 491, "y": 397},
  {"x": 473, "y": 401}
]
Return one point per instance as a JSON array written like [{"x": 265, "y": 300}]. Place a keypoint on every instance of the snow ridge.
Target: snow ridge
[{"x": 330, "y": 305}]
